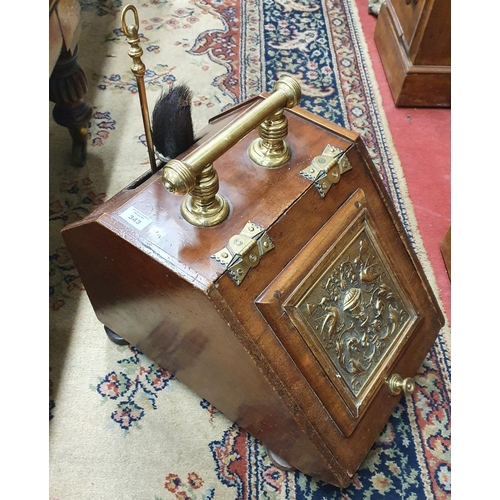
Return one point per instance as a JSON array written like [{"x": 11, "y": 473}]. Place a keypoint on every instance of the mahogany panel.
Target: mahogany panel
[
  {"x": 292, "y": 364},
  {"x": 408, "y": 14},
  {"x": 169, "y": 317}
]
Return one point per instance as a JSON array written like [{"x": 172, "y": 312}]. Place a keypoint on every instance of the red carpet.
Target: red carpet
[{"x": 422, "y": 138}]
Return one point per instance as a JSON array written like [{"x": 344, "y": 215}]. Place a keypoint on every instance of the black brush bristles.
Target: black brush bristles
[{"x": 172, "y": 124}]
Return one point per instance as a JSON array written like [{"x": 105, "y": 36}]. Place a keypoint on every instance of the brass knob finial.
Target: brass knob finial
[
  {"x": 291, "y": 88},
  {"x": 398, "y": 384}
]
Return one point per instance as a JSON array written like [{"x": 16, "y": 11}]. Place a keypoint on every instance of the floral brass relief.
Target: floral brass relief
[{"x": 356, "y": 311}]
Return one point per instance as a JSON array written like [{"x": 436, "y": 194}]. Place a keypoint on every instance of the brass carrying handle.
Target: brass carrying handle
[
  {"x": 398, "y": 384},
  {"x": 195, "y": 176},
  {"x": 139, "y": 69},
  {"x": 179, "y": 176}
]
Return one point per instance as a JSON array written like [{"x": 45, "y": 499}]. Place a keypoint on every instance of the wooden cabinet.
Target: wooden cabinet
[
  {"x": 307, "y": 336},
  {"x": 413, "y": 38}
]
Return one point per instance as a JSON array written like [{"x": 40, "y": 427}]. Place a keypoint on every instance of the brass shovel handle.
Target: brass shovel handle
[{"x": 139, "y": 70}]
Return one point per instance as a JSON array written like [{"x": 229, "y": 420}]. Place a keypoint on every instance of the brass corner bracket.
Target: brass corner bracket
[
  {"x": 244, "y": 251},
  {"x": 325, "y": 169}
]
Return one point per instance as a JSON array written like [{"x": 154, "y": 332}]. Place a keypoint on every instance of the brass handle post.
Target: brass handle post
[
  {"x": 139, "y": 69},
  {"x": 183, "y": 176}
]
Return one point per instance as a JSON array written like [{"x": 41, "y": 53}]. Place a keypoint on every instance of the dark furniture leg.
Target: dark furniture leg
[
  {"x": 278, "y": 462},
  {"x": 445, "y": 248},
  {"x": 67, "y": 86},
  {"x": 116, "y": 339}
]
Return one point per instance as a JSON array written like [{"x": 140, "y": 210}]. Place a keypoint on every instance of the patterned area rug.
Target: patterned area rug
[{"x": 120, "y": 426}]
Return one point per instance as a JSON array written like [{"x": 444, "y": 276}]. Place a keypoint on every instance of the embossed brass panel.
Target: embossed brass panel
[
  {"x": 348, "y": 306},
  {"x": 355, "y": 312}
]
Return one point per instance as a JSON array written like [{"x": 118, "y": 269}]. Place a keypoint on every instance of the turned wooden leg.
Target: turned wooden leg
[
  {"x": 67, "y": 86},
  {"x": 116, "y": 339}
]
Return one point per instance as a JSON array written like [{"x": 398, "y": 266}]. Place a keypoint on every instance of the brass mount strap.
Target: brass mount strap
[
  {"x": 325, "y": 169},
  {"x": 243, "y": 251}
]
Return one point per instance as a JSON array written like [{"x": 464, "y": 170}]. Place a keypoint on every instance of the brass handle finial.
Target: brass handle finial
[
  {"x": 397, "y": 385},
  {"x": 194, "y": 174},
  {"x": 179, "y": 177},
  {"x": 131, "y": 32},
  {"x": 290, "y": 88}
]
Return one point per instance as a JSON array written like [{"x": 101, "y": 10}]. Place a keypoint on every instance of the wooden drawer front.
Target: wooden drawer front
[{"x": 343, "y": 300}]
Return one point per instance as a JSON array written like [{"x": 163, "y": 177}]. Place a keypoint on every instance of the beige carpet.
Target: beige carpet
[{"x": 122, "y": 428}]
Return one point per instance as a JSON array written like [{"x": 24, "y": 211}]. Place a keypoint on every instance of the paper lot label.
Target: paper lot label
[{"x": 136, "y": 218}]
